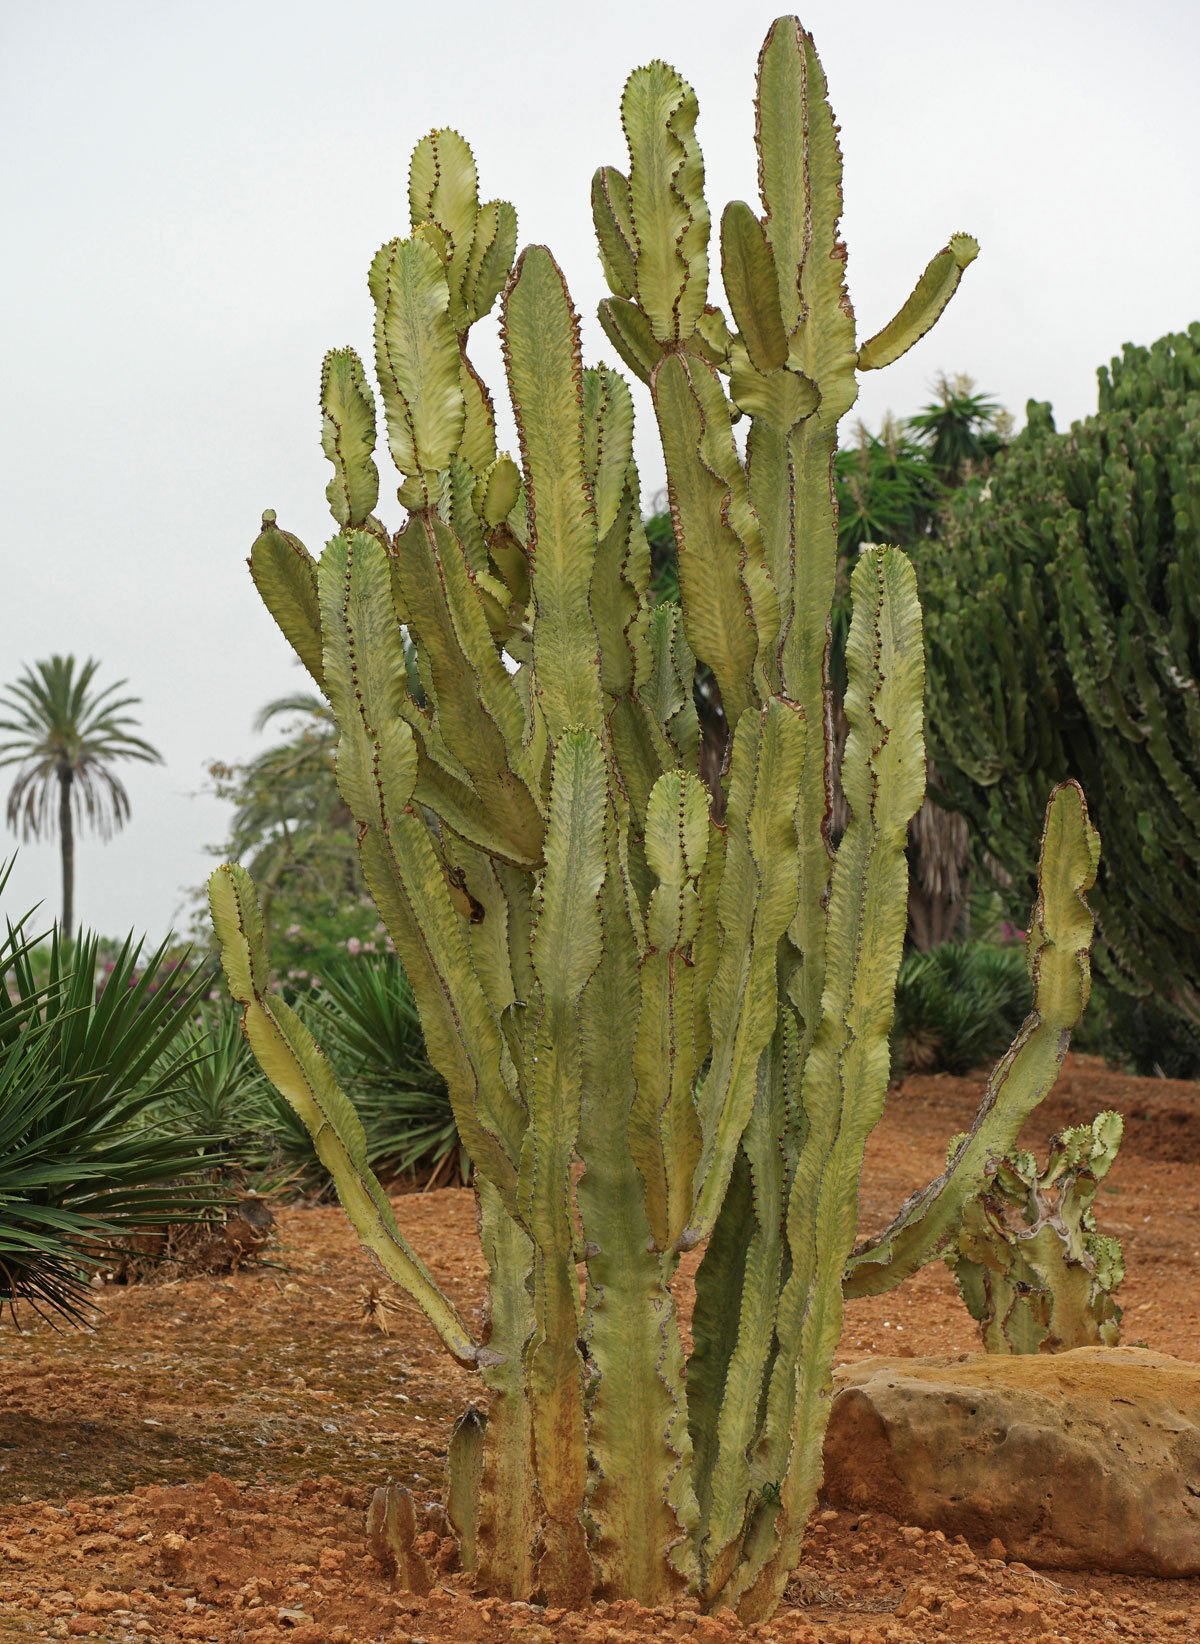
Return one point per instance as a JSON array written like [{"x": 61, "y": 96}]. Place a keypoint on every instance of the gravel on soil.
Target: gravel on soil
[{"x": 197, "y": 1466}]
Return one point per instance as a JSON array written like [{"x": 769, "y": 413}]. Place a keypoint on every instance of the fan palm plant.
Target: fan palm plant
[{"x": 65, "y": 736}]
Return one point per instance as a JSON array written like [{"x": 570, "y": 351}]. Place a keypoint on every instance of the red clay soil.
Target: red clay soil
[{"x": 198, "y": 1467}]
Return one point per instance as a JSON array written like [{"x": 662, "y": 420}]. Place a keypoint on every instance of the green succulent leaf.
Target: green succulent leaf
[
  {"x": 612, "y": 214},
  {"x": 846, "y": 1072},
  {"x": 545, "y": 374},
  {"x": 608, "y": 441},
  {"x": 492, "y": 251},
  {"x": 566, "y": 948},
  {"x": 628, "y": 329},
  {"x": 758, "y": 895},
  {"x": 497, "y": 491},
  {"x": 443, "y": 189},
  {"x": 730, "y": 609},
  {"x": 417, "y": 359},
  {"x": 666, "y": 194},
  {"x": 665, "y": 1138}
]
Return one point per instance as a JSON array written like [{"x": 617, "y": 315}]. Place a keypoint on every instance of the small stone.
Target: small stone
[
  {"x": 996, "y": 1548},
  {"x": 95, "y": 1602}
]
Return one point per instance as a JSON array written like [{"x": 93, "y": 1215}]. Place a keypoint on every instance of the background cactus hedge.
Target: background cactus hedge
[
  {"x": 1063, "y": 622},
  {"x": 658, "y": 1031}
]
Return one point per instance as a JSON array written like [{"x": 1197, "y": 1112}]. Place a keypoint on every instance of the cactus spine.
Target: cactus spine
[{"x": 695, "y": 1013}]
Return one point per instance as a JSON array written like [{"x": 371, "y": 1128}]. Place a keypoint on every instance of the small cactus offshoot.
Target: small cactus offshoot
[{"x": 1028, "y": 1260}]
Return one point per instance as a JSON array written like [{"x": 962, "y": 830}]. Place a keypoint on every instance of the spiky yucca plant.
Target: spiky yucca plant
[
  {"x": 658, "y": 1032},
  {"x": 957, "y": 1005},
  {"x": 90, "y": 1148}
]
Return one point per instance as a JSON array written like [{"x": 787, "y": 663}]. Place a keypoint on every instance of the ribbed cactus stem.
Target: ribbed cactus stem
[{"x": 659, "y": 1030}]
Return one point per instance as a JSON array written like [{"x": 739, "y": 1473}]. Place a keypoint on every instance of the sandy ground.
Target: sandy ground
[{"x": 198, "y": 1466}]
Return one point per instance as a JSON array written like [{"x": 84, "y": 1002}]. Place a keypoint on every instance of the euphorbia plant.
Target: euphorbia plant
[{"x": 659, "y": 1032}]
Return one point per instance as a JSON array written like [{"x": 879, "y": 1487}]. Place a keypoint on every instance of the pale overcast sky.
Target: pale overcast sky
[{"x": 192, "y": 194}]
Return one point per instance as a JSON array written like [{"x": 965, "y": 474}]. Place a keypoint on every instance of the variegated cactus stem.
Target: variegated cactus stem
[
  {"x": 658, "y": 1032},
  {"x": 1028, "y": 1260}
]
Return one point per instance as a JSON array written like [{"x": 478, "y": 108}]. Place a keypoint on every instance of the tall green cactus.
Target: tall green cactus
[{"x": 658, "y": 1031}]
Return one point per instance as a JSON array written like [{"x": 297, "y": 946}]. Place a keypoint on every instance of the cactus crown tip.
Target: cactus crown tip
[{"x": 965, "y": 248}]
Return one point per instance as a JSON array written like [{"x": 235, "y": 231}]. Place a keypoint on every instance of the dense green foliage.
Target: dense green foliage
[
  {"x": 1063, "y": 615},
  {"x": 129, "y": 1100},
  {"x": 90, "y": 1143},
  {"x": 364, "y": 1014},
  {"x": 367, "y": 1020},
  {"x": 958, "y": 1004},
  {"x": 292, "y": 829},
  {"x": 1142, "y": 1033}
]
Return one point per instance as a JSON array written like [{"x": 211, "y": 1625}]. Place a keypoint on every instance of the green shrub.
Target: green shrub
[
  {"x": 958, "y": 1006},
  {"x": 89, "y": 1148},
  {"x": 1140, "y": 1034},
  {"x": 1029, "y": 1262},
  {"x": 220, "y": 1091}
]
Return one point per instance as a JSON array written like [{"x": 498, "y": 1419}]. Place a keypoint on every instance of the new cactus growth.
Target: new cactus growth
[
  {"x": 658, "y": 1032},
  {"x": 1028, "y": 1260}
]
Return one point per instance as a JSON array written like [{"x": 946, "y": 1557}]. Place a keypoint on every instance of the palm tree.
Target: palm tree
[
  {"x": 961, "y": 430},
  {"x": 290, "y": 822},
  {"x": 65, "y": 738}
]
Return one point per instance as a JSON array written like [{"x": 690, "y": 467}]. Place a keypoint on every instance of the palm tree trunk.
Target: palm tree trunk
[{"x": 66, "y": 830}]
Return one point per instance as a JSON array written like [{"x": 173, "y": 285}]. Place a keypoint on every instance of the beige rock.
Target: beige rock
[{"x": 1085, "y": 1459}]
